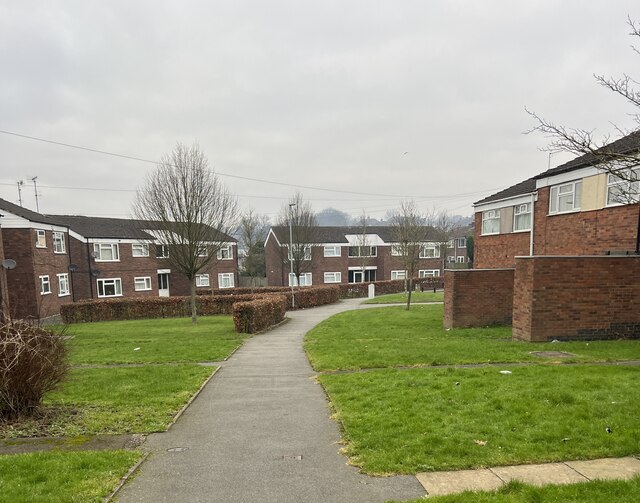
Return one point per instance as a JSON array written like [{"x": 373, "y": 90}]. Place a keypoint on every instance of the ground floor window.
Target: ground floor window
[
  {"x": 360, "y": 276},
  {"x": 428, "y": 273},
  {"x": 63, "y": 285},
  {"x": 203, "y": 280},
  {"x": 110, "y": 287},
  {"x": 45, "y": 285},
  {"x": 332, "y": 277},
  {"x": 225, "y": 280},
  {"x": 305, "y": 279},
  {"x": 142, "y": 283},
  {"x": 398, "y": 275}
]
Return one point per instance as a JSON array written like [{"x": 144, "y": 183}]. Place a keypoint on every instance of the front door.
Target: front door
[{"x": 163, "y": 284}]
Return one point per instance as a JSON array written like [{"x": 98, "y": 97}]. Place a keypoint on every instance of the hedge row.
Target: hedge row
[
  {"x": 353, "y": 290},
  {"x": 257, "y": 315}
]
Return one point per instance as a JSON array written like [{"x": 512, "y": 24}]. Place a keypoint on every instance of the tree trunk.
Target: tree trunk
[
  {"x": 194, "y": 314},
  {"x": 409, "y": 293}
]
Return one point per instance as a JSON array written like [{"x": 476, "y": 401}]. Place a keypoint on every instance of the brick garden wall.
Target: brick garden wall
[
  {"x": 478, "y": 297},
  {"x": 586, "y": 298}
]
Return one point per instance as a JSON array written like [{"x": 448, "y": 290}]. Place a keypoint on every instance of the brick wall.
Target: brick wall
[
  {"x": 498, "y": 250},
  {"x": 562, "y": 298},
  {"x": 474, "y": 297}
]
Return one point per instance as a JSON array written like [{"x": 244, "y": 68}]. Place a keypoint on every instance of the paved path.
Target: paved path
[{"x": 260, "y": 432}]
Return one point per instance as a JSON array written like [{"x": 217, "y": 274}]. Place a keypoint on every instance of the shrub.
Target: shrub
[
  {"x": 259, "y": 314},
  {"x": 32, "y": 362}
]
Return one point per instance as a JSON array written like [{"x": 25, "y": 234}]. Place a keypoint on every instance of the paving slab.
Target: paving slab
[
  {"x": 442, "y": 483},
  {"x": 540, "y": 475},
  {"x": 608, "y": 468}
]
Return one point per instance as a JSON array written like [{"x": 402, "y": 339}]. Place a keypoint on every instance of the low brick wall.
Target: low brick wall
[
  {"x": 478, "y": 297},
  {"x": 584, "y": 298}
]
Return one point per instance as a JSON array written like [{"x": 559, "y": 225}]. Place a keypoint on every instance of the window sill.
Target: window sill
[
  {"x": 60, "y": 253},
  {"x": 521, "y": 231},
  {"x": 107, "y": 260},
  {"x": 569, "y": 212},
  {"x": 64, "y": 294},
  {"x": 109, "y": 296},
  {"x": 45, "y": 293},
  {"x": 144, "y": 290}
]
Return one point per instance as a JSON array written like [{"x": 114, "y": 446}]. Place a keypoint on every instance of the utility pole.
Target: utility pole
[
  {"x": 20, "y": 184},
  {"x": 35, "y": 189},
  {"x": 291, "y": 276}
]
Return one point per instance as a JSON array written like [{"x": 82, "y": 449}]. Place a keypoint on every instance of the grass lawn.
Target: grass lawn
[
  {"x": 213, "y": 338},
  {"x": 392, "y": 336},
  {"x": 516, "y": 492},
  {"x": 401, "y": 298},
  {"x": 408, "y": 421},
  {"x": 115, "y": 400},
  {"x": 62, "y": 476}
]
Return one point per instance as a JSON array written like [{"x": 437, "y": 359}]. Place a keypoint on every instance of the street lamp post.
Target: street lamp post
[{"x": 293, "y": 295}]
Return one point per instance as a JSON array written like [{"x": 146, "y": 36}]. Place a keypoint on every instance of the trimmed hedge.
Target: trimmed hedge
[
  {"x": 257, "y": 315},
  {"x": 353, "y": 290}
]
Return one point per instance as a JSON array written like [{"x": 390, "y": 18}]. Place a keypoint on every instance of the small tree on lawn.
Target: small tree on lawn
[
  {"x": 187, "y": 208},
  {"x": 444, "y": 230}
]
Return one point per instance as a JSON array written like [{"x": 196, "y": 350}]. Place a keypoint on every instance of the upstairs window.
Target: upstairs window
[
  {"x": 491, "y": 222},
  {"x": 363, "y": 251},
  {"x": 623, "y": 189},
  {"x": 41, "y": 238},
  {"x": 225, "y": 252},
  {"x": 59, "y": 245},
  {"x": 162, "y": 251},
  {"x": 307, "y": 252},
  {"x": 140, "y": 250},
  {"x": 332, "y": 251},
  {"x": 461, "y": 242},
  {"x": 522, "y": 217},
  {"x": 565, "y": 197},
  {"x": 430, "y": 250},
  {"x": 106, "y": 252}
]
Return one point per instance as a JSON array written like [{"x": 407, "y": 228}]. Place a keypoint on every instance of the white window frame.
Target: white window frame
[
  {"x": 99, "y": 248},
  {"x": 396, "y": 250},
  {"x": 63, "y": 284},
  {"x": 115, "y": 282},
  {"x": 306, "y": 279},
  {"x": 489, "y": 219},
  {"x": 225, "y": 252},
  {"x": 164, "y": 249},
  {"x": 144, "y": 281},
  {"x": 396, "y": 275},
  {"x": 429, "y": 273},
  {"x": 461, "y": 242},
  {"x": 45, "y": 284},
  {"x": 202, "y": 280},
  {"x": 59, "y": 244},
  {"x": 333, "y": 251},
  {"x": 373, "y": 251},
  {"x": 226, "y": 280},
  {"x": 460, "y": 259},
  {"x": 628, "y": 187},
  {"x": 522, "y": 210},
  {"x": 41, "y": 238},
  {"x": 563, "y": 191},
  {"x": 333, "y": 277},
  {"x": 139, "y": 250},
  {"x": 307, "y": 252},
  {"x": 429, "y": 246}
]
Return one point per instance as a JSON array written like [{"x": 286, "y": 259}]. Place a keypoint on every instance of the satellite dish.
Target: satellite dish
[
  {"x": 96, "y": 272},
  {"x": 8, "y": 263},
  {"x": 73, "y": 267}
]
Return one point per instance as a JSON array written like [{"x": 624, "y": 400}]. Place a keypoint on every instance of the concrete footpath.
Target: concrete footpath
[{"x": 260, "y": 432}]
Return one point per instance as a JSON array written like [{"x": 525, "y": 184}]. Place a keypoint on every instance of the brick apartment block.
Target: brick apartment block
[
  {"x": 336, "y": 256},
  {"x": 61, "y": 259}
]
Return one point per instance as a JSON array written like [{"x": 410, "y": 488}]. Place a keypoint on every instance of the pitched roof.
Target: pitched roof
[
  {"x": 626, "y": 145},
  {"x": 24, "y": 212},
  {"x": 519, "y": 189},
  {"x": 101, "y": 227}
]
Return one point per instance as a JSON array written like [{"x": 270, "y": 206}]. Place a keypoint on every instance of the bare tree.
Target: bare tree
[
  {"x": 362, "y": 241},
  {"x": 187, "y": 208},
  {"x": 409, "y": 234},
  {"x": 253, "y": 232},
  {"x": 444, "y": 230},
  {"x": 298, "y": 214},
  {"x": 619, "y": 162}
]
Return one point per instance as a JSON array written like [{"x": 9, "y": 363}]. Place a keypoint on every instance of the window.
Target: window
[
  {"x": 565, "y": 197},
  {"x": 451, "y": 243},
  {"x": 59, "y": 246},
  {"x": 360, "y": 276},
  {"x": 430, "y": 250},
  {"x": 522, "y": 217},
  {"x": 41, "y": 238},
  {"x": 461, "y": 242},
  {"x": 142, "y": 283},
  {"x": 396, "y": 250},
  {"x": 332, "y": 251},
  {"x": 140, "y": 250},
  {"x": 622, "y": 190},
  {"x": 307, "y": 252},
  {"x": 45, "y": 285},
  {"x": 106, "y": 252},
  {"x": 162, "y": 251},
  {"x": 111, "y": 287},
  {"x": 225, "y": 252},
  {"x": 491, "y": 222},
  {"x": 428, "y": 273},
  {"x": 460, "y": 260},
  {"x": 363, "y": 251},
  {"x": 202, "y": 280},
  {"x": 332, "y": 277},
  {"x": 305, "y": 279},
  {"x": 225, "y": 280},
  {"x": 451, "y": 258},
  {"x": 63, "y": 285},
  {"x": 398, "y": 275},
  {"x": 202, "y": 251}
]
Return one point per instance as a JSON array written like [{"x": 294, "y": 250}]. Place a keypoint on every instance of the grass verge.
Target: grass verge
[
  {"x": 164, "y": 340},
  {"x": 114, "y": 400},
  {"x": 87, "y": 476},
  {"x": 401, "y": 298},
  {"x": 443, "y": 419},
  {"x": 392, "y": 336}
]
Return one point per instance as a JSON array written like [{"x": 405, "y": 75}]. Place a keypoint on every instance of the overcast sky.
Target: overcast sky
[{"x": 391, "y": 100}]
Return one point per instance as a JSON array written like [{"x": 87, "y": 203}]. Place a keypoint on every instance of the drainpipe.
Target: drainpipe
[
  {"x": 89, "y": 273},
  {"x": 533, "y": 214}
]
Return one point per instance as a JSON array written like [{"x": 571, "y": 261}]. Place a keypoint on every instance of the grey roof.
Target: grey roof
[
  {"x": 101, "y": 227},
  {"x": 519, "y": 189},
  {"x": 25, "y": 213}
]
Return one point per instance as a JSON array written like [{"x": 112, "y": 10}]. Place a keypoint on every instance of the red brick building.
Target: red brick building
[
  {"x": 61, "y": 259},
  {"x": 338, "y": 256}
]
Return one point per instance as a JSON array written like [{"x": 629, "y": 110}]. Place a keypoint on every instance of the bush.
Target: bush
[
  {"x": 353, "y": 290},
  {"x": 32, "y": 362},
  {"x": 257, "y": 315}
]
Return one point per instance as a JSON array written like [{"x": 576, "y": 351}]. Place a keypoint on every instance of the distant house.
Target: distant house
[
  {"x": 571, "y": 209},
  {"x": 61, "y": 259},
  {"x": 339, "y": 256}
]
